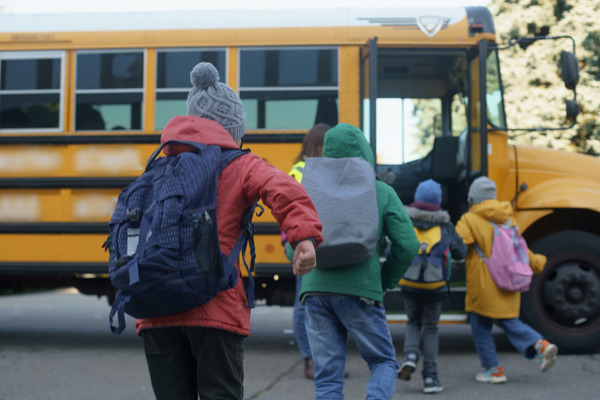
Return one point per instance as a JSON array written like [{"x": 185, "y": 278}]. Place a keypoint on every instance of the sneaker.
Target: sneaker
[
  {"x": 546, "y": 354},
  {"x": 409, "y": 364},
  {"x": 432, "y": 385},
  {"x": 492, "y": 375}
]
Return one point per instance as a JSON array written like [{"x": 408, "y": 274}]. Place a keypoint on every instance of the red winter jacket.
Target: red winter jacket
[{"x": 246, "y": 179}]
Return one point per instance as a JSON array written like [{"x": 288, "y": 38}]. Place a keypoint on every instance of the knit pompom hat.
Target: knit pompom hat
[
  {"x": 216, "y": 101},
  {"x": 429, "y": 191},
  {"x": 482, "y": 188}
]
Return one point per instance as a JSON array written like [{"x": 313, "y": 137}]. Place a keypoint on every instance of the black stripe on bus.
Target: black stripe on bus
[
  {"x": 68, "y": 268},
  {"x": 68, "y": 182},
  {"x": 135, "y": 139},
  {"x": 274, "y": 138},
  {"x": 263, "y": 270},
  {"x": 268, "y": 228},
  {"x": 83, "y": 139},
  {"x": 51, "y": 268},
  {"x": 54, "y": 228}
]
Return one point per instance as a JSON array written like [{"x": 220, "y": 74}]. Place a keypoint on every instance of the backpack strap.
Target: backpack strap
[
  {"x": 514, "y": 235},
  {"x": 247, "y": 238},
  {"x": 228, "y": 155},
  {"x": 119, "y": 309},
  {"x": 134, "y": 276},
  {"x": 196, "y": 145},
  {"x": 478, "y": 249}
]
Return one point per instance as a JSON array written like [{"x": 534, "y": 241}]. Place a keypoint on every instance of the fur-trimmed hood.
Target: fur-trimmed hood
[{"x": 424, "y": 219}]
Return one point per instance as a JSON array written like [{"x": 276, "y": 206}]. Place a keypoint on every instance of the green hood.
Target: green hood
[{"x": 345, "y": 140}]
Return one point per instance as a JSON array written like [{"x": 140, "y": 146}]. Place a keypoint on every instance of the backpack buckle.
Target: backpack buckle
[
  {"x": 250, "y": 228},
  {"x": 133, "y": 215}
]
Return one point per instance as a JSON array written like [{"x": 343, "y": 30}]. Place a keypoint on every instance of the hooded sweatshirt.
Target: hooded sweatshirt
[
  {"x": 368, "y": 279},
  {"x": 483, "y": 296},
  {"x": 245, "y": 180}
]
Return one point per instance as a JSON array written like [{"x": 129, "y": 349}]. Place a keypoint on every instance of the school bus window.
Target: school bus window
[
  {"x": 109, "y": 90},
  {"x": 274, "y": 81},
  {"x": 30, "y": 90},
  {"x": 173, "y": 68}
]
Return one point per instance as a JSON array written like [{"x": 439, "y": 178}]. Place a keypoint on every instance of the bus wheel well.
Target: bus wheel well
[{"x": 563, "y": 219}]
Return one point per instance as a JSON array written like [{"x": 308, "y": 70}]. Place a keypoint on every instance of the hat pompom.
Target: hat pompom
[{"x": 204, "y": 75}]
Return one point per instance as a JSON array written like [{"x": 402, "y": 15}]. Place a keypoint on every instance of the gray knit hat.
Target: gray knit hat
[
  {"x": 482, "y": 188},
  {"x": 216, "y": 101}
]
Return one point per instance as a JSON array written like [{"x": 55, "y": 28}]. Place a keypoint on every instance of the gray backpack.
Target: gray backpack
[{"x": 343, "y": 192}]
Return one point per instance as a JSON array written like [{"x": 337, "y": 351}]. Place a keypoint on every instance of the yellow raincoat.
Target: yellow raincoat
[{"x": 483, "y": 296}]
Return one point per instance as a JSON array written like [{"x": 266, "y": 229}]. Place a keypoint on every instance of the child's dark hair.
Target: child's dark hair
[{"x": 312, "y": 144}]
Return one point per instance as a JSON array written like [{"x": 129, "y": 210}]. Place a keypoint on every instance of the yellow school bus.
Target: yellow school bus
[{"x": 83, "y": 100}]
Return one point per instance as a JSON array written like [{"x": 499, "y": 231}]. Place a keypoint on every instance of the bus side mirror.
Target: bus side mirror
[
  {"x": 570, "y": 69},
  {"x": 572, "y": 109}
]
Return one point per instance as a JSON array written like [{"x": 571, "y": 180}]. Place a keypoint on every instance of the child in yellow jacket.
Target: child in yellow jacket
[{"x": 484, "y": 300}]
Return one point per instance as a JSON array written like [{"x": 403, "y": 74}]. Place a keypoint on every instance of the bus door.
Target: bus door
[{"x": 415, "y": 113}]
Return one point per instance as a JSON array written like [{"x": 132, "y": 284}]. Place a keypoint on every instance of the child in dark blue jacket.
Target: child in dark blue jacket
[{"x": 425, "y": 284}]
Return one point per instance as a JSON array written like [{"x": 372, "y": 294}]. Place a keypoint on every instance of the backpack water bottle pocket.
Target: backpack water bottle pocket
[{"x": 206, "y": 249}]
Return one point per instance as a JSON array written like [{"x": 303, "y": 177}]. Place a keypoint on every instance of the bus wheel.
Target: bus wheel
[{"x": 563, "y": 303}]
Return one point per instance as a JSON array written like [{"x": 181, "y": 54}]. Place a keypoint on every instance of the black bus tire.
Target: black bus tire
[{"x": 563, "y": 303}]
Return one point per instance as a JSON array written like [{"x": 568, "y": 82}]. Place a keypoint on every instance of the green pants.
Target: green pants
[{"x": 187, "y": 362}]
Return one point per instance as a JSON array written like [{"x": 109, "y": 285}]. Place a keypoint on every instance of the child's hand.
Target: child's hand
[{"x": 305, "y": 257}]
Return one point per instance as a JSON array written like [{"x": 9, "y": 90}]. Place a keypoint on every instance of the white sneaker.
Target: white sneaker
[{"x": 546, "y": 353}]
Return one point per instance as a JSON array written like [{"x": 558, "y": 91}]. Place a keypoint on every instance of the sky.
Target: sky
[{"x": 103, "y": 6}]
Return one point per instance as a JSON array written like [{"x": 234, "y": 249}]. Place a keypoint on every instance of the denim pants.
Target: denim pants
[
  {"x": 299, "y": 325},
  {"x": 329, "y": 320},
  {"x": 519, "y": 334},
  {"x": 185, "y": 362},
  {"x": 423, "y": 319}
]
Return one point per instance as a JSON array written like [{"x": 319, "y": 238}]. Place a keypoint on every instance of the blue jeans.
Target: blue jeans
[
  {"x": 329, "y": 320},
  {"x": 519, "y": 334},
  {"x": 299, "y": 326},
  {"x": 423, "y": 319}
]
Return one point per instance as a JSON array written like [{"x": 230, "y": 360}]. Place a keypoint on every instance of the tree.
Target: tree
[{"x": 539, "y": 98}]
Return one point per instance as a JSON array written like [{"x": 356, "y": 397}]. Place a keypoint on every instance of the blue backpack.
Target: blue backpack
[{"x": 163, "y": 240}]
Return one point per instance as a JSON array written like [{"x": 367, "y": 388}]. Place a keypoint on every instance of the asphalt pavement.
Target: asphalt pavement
[{"x": 57, "y": 346}]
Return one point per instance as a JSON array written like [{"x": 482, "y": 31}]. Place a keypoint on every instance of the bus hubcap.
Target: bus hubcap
[{"x": 572, "y": 294}]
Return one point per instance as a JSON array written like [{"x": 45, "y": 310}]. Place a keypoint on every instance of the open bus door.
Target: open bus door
[
  {"x": 368, "y": 92},
  {"x": 407, "y": 107}
]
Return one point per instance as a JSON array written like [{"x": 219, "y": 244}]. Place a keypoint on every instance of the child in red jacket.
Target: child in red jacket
[{"x": 200, "y": 352}]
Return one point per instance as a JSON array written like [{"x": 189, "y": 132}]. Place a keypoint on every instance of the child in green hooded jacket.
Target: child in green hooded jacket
[{"x": 349, "y": 299}]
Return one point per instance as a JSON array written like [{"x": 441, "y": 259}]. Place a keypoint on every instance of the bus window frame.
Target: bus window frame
[
  {"x": 498, "y": 75},
  {"x": 186, "y": 89},
  {"x": 39, "y": 54},
  {"x": 142, "y": 90},
  {"x": 282, "y": 89}
]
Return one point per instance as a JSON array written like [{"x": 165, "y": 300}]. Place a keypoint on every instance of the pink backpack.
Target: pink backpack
[{"x": 509, "y": 262}]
